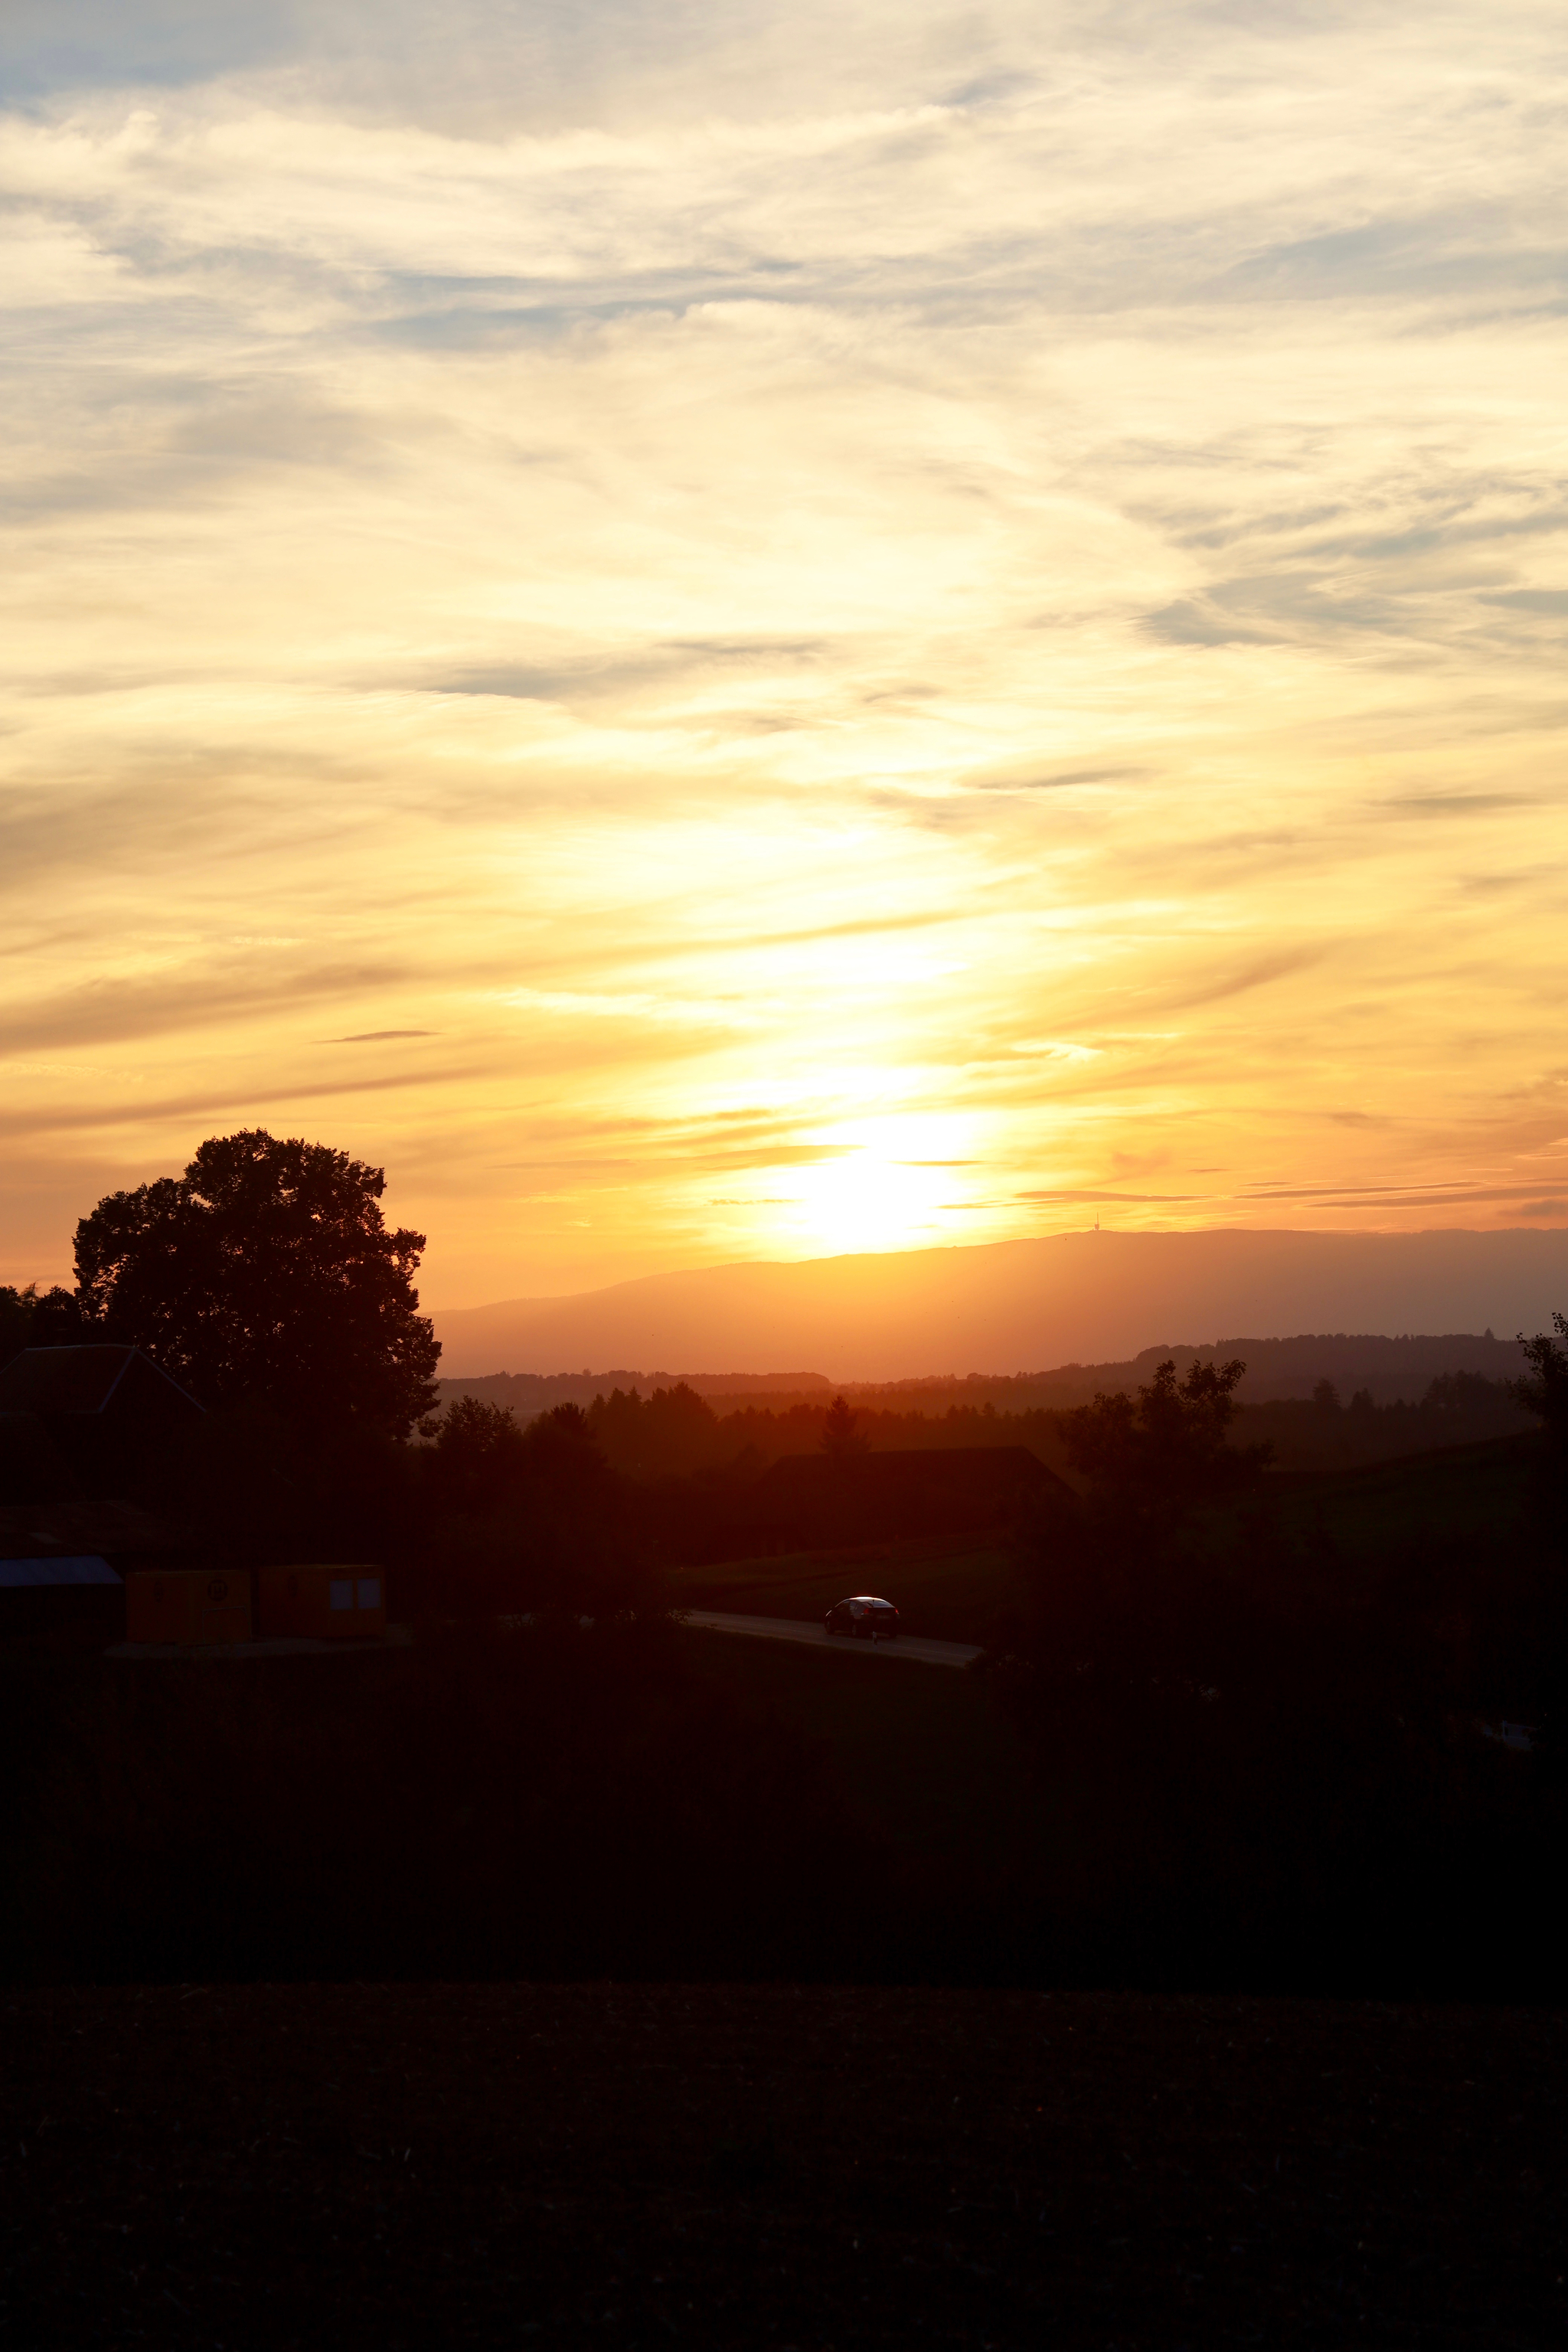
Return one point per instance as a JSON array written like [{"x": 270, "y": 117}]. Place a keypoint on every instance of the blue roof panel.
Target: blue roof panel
[{"x": 87, "y": 1568}]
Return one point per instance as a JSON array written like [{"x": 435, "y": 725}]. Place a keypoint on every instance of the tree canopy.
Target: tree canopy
[
  {"x": 1545, "y": 1390},
  {"x": 1164, "y": 1450},
  {"x": 842, "y": 1435},
  {"x": 31, "y": 1317},
  {"x": 266, "y": 1272}
]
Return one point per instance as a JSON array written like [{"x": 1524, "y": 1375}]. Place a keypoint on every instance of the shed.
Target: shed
[
  {"x": 191, "y": 1606},
  {"x": 325, "y": 1601}
]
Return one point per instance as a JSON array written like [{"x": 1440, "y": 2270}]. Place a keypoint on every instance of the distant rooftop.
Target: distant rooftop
[{"x": 91, "y": 1379}]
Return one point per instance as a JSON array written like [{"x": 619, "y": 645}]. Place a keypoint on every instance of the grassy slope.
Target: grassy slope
[
  {"x": 1350, "y": 1523},
  {"x": 1458, "y": 1489}
]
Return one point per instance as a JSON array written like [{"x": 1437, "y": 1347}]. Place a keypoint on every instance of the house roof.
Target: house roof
[
  {"x": 970, "y": 1469},
  {"x": 89, "y": 1380},
  {"x": 67, "y": 1530}
]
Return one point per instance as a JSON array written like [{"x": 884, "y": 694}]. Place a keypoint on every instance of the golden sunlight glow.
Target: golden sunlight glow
[{"x": 959, "y": 634}]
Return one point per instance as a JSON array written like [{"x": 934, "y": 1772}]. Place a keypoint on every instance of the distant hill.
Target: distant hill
[
  {"x": 1389, "y": 1368},
  {"x": 1086, "y": 1297}
]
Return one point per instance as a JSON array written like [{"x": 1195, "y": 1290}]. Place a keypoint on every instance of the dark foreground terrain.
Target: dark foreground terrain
[{"x": 403, "y": 2167}]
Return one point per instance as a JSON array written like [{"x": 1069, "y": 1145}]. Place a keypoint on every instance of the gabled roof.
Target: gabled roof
[{"x": 91, "y": 1379}]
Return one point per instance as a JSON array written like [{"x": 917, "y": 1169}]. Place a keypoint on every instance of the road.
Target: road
[{"x": 811, "y": 1631}]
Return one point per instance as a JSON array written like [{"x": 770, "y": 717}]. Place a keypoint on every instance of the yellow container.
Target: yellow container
[
  {"x": 325, "y": 1601},
  {"x": 188, "y": 1605}
]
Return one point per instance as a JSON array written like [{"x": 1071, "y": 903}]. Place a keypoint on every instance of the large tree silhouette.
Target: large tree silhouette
[{"x": 266, "y": 1272}]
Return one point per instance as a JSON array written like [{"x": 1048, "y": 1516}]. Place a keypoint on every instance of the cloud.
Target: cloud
[
  {"x": 250, "y": 1100},
  {"x": 49, "y": 46},
  {"x": 1260, "y": 974},
  {"x": 1454, "y": 803},
  {"x": 1138, "y": 1199},
  {"x": 779, "y": 1155},
  {"x": 1187, "y": 623},
  {"x": 581, "y": 680},
  {"x": 184, "y": 998},
  {"x": 1471, "y": 251},
  {"x": 1551, "y": 601},
  {"x": 1378, "y": 1196}
]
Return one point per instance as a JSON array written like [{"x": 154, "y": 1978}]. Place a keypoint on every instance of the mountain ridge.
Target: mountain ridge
[{"x": 1081, "y": 1297}]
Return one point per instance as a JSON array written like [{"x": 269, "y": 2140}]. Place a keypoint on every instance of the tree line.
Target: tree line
[{"x": 673, "y": 1432}]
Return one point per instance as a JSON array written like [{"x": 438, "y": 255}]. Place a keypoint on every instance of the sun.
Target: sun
[{"x": 889, "y": 1184}]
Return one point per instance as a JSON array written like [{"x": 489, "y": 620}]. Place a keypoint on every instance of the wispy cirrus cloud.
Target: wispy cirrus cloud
[{"x": 821, "y": 589}]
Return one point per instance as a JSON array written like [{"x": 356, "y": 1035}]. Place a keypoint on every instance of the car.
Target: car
[{"x": 872, "y": 1620}]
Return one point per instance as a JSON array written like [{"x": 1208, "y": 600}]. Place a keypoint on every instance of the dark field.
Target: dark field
[{"x": 407, "y": 2167}]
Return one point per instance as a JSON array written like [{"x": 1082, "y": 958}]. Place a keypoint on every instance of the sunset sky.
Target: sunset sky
[{"x": 737, "y": 631}]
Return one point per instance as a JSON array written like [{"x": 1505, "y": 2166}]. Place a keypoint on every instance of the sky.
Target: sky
[{"x": 736, "y": 631}]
